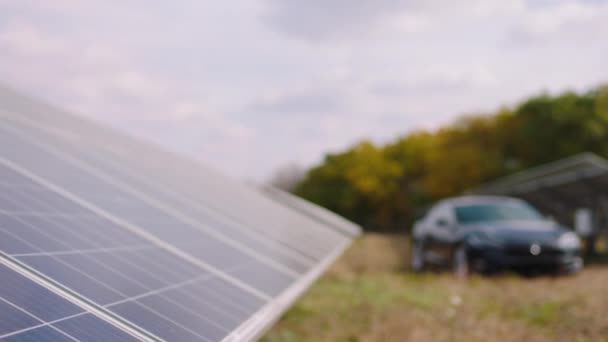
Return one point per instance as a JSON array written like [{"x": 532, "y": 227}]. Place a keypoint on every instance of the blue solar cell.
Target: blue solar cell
[
  {"x": 76, "y": 280},
  {"x": 232, "y": 297},
  {"x": 194, "y": 320},
  {"x": 164, "y": 265},
  {"x": 128, "y": 265},
  {"x": 35, "y": 237},
  {"x": 160, "y": 326},
  {"x": 208, "y": 307},
  {"x": 10, "y": 177},
  {"x": 91, "y": 329},
  {"x": 11, "y": 244},
  {"x": 42, "y": 334},
  {"x": 121, "y": 283},
  {"x": 262, "y": 278},
  {"x": 7, "y": 201},
  {"x": 13, "y": 319},
  {"x": 33, "y": 298}
]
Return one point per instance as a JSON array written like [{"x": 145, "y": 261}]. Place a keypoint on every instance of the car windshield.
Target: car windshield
[{"x": 478, "y": 213}]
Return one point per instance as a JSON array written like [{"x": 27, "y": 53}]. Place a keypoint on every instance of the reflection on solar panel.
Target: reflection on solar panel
[{"x": 104, "y": 237}]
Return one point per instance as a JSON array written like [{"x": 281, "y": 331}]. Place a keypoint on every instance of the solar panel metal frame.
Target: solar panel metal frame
[
  {"x": 312, "y": 210},
  {"x": 568, "y": 170},
  {"x": 560, "y": 187}
]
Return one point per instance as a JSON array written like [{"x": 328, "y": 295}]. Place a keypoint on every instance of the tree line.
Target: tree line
[{"x": 385, "y": 187}]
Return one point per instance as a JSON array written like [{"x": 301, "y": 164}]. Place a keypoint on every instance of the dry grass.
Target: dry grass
[{"x": 370, "y": 296}]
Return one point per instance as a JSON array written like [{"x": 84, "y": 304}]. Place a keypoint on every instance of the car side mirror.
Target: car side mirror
[{"x": 443, "y": 223}]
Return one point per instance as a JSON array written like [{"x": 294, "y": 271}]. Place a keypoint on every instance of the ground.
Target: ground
[{"x": 369, "y": 295}]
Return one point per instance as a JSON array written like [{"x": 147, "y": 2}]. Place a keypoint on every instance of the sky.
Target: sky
[{"x": 250, "y": 86}]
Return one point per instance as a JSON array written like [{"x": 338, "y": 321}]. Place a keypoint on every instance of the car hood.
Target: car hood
[{"x": 517, "y": 231}]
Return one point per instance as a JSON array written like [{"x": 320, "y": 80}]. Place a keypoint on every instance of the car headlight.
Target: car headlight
[{"x": 568, "y": 240}]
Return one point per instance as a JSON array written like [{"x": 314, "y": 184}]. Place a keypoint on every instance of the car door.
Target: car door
[
  {"x": 434, "y": 238},
  {"x": 444, "y": 234}
]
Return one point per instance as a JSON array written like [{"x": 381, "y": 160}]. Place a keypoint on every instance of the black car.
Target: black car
[{"x": 486, "y": 233}]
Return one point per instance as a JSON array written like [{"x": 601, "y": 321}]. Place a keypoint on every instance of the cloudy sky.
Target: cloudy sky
[{"x": 252, "y": 85}]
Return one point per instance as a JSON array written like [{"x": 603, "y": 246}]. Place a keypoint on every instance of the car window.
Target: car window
[{"x": 478, "y": 213}]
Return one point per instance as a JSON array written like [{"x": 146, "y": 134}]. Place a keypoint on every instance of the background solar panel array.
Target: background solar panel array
[{"x": 151, "y": 239}]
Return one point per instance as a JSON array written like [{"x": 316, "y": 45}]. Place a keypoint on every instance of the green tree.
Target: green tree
[{"x": 385, "y": 187}]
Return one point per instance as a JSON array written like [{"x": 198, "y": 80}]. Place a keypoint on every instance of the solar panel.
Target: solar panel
[
  {"x": 316, "y": 212},
  {"x": 142, "y": 240}
]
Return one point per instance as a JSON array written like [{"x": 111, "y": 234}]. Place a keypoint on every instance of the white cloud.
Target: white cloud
[
  {"x": 255, "y": 84},
  {"x": 563, "y": 18},
  {"x": 313, "y": 101},
  {"x": 331, "y": 19}
]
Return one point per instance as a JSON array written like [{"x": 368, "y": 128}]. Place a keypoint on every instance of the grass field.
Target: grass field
[{"x": 369, "y": 295}]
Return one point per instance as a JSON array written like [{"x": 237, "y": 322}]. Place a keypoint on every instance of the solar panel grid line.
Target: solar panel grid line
[
  {"x": 225, "y": 302},
  {"x": 138, "y": 231},
  {"x": 160, "y": 292},
  {"x": 252, "y": 330},
  {"x": 43, "y": 214},
  {"x": 170, "y": 287},
  {"x": 140, "y": 333},
  {"x": 42, "y": 322},
  {"x": 41, "y": 325},
  {"x": 190, "y": 298},
  {"x": 33, "y": 123},
  {"x": 84, "y": 251},
  {"x": 165, "y": 209}
]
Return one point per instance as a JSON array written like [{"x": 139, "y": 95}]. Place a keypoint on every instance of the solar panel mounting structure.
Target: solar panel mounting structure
[{"x": 106, "y": 237}]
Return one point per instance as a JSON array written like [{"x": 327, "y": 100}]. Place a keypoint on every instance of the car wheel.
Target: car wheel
[
  {"x": 418, "y": 263},
  {"x": 461, "y": 266}
]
